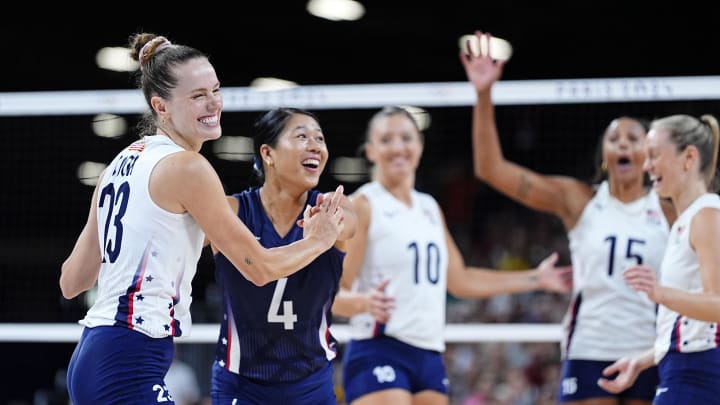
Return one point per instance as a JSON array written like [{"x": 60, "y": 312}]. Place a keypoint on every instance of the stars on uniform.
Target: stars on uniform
[
  {"x": 139, "y": 320},
  {"x": 149, "y": 278},
  {"x": 140, "y": 297}
]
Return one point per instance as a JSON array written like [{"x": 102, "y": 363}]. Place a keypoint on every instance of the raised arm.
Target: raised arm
[
  {"x": 186, "y": 182},
  {"x": 559, "y": 195},
  {"x": 349, "y": 220},
  {"x": 79, "y": 271}
]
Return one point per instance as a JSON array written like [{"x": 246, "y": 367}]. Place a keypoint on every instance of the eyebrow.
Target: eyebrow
[{"x": 302, "y": 126}]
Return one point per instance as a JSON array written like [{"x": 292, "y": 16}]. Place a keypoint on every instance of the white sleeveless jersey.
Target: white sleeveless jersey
[
  {"x": 149, "y": 255},
  {"x": 406, "y": 245},
  {"x": 681, "y": 270},
  {"x": 606, "y": 319}
]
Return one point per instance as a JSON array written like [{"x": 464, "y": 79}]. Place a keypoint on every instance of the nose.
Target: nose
[
  {"x": 396, "y": 144},
  {"x": 216, "y": 101},
  {"x": 315, "y": 144},
  {"x": 646, "y": 165}
]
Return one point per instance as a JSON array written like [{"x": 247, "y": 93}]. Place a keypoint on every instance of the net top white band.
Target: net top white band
[{"x": 355, "y": 96}]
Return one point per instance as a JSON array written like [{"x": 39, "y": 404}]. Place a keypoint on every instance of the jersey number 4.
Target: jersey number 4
[{"x": 287, "y": 318}]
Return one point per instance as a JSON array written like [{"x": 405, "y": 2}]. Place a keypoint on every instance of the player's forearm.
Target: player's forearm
[
  {"x": 481, "y": 283},
  {"x": 272, "y": 264},
  {"x": 348, "y": 303}
]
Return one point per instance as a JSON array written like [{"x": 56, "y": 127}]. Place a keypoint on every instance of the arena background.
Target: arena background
[{"x": 43, "y": 205}]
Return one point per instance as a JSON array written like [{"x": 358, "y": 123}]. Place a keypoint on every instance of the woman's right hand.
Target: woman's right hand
[
  {"x": 481, "y": 70},
  {"x": 324, "y": 221},
  {"x": 625, "y": 372},
  {"x": 380, "y": 305}
]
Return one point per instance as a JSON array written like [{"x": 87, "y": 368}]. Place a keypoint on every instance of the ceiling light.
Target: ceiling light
[
  {"x": 336, "y": 10},
  {"x": 271, "y": 83},
  {"x": 116, "y": 59},
  {"x": 89, "y": 172},
  {"x": 109, "y": 125}
]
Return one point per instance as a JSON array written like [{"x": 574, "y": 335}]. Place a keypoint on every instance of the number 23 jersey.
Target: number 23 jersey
[{"x": 149, "y": 254}]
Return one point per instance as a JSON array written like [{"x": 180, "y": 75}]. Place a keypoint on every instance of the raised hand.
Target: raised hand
[
  {"x": 325, "y": 220},
  {"x": 481, "y": 70}
]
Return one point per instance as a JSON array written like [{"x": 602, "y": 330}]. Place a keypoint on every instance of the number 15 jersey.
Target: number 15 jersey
[{"x": 607, "y": 319}]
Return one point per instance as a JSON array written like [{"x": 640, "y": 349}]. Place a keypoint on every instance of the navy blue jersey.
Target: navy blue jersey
[{"x": 278, "y": 332}]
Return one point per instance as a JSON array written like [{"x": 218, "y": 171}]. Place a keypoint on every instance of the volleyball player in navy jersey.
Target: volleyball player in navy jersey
[
  {"x": 275, "y": 344},
  {"x": 610, "y": 225},
  {"x": 143, "y": 237}
]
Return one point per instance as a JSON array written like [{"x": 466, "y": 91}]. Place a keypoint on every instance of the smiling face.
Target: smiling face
[
  {"x": 394, "y": 146},
  {"x": 299, "y": 155},
  {"x": 624, "y": 151},
  {"x": 665, "y": 164},
  {"x": 191, "y": 115}
]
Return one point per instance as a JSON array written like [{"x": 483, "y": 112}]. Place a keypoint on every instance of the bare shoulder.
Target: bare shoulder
[
  {"x": 705, "y": 228},
  {"x": 182, "y": 177},
  {"x": 360, "y": 202},
  {"x": 707, "y": 220}
]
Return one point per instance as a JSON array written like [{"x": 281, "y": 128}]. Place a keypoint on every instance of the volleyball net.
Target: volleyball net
[{"x": 551, "y": 126}]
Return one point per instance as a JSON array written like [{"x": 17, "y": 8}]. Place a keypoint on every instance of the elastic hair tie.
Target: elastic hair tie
[{"x": 163, "y": 43}]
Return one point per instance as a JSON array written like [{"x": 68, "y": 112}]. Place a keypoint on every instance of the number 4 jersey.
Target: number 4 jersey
[
  {"x": 606, "y": 318},
  {"x": 149, "y": 255},
  {"x": 278, "y": 332}
]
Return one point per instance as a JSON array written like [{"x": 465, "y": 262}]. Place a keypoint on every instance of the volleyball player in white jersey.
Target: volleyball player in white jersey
[
  {"x": 402, "y": 245},
  {"x": 609, "y": 227},
  {"x": 682, "y": 159},
  {"x": 150, "y": 211}
]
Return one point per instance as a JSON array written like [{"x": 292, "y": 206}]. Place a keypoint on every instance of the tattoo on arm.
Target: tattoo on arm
[
  {"x": 248, "y": 261},
  {"x": 524, "y": 186}
]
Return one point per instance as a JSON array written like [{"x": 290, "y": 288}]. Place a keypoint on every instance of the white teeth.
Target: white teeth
[
  {"x": 210, "y": 120},
  {"x": 314, "y": 162}
]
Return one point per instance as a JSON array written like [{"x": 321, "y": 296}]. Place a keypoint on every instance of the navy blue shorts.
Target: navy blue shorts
[
  {"x": 114, "y": 365},
  {"x": 579, "y": 378},
  {"x": 384, "y": 363},
  {"x": 232, "y": 389},
  {"x": 689, "y": 378}
]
